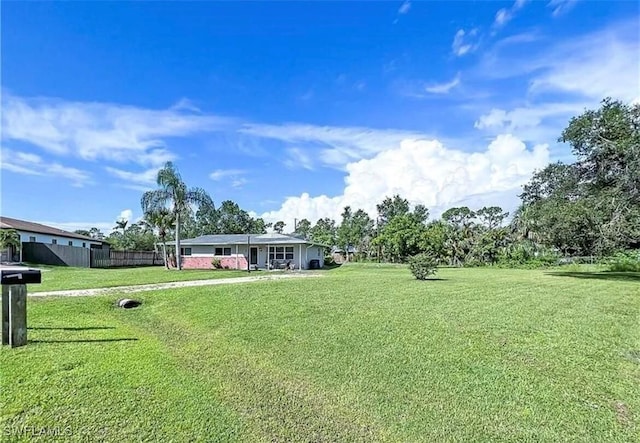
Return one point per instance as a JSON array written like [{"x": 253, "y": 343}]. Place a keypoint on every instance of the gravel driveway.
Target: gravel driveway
[{"x": 178, "y": 284}]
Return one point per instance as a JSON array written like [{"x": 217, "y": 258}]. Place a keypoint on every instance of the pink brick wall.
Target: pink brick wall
[{"x": 190, "y": 262}]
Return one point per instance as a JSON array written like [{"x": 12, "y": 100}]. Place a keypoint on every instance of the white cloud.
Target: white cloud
[
  {"x": 334, "y": 146},
  {"x": 443, "y": 88},
  {"x": 102, "y": 131},
  {"x": 505, "y": 15},
  {"x": 463, "y": 42},
  {"x": 561, "y": 6},
  {"x": 526, "y": 117},
  {"x": 405, "y": 7},
  {"x": 220, "y": 174},
  {"x": 106, "y": 227},
  {"x": 126, "y": 214},
  {"x": 32, "y": 164},
  {"x": 147, "y": 177},
  {"x": 597, "y": 65},
  {"x": 298, "y": 158},
  {"x": 428, "y": 173},
  {"x": 233, "y": 177}
]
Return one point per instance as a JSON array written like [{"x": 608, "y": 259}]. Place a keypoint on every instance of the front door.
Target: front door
[{"x": 253, "y": 256}]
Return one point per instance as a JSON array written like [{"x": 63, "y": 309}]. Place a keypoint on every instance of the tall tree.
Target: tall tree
[
  {"x": 96, "y": 233},
  {"x": 121, "y": 223},
  {"x": 324, "y": 232},
  {"x": 303, "y": 228},
  {"x": 175, "y": 196},
  {"x": 391, "y": 207},
  {"x": 84, "y": 232},
  {"x": 161, "y": 220},
  {"x": 279, "y": 226}
]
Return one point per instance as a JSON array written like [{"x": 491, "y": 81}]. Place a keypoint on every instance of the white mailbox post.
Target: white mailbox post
[{"x": 14, "y": 303}]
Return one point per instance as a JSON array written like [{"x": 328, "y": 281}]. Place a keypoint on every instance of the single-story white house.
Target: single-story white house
[
  {"x": 259, "y": 251},
  {"x": 31, "y": 232}
]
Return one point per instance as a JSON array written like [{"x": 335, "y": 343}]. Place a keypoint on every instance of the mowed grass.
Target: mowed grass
[
  {"x": 55, "y": 278},
  {"x": 366, "y": 353}
]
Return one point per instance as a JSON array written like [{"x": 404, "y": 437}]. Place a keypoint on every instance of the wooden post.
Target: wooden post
[{"x": 14, "y": 315}]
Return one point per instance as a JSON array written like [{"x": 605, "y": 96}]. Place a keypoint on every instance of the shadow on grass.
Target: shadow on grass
[
  {"x": 88, "y": 328},
  {"x": 88, "y": 340},
  {"x": 604, "y": 275},
  {"x": 435, "y": 279}
]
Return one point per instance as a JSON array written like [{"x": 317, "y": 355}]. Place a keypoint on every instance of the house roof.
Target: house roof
[
  {"x": 22, "y": 225},
  {"x": 241, "y": 239}
]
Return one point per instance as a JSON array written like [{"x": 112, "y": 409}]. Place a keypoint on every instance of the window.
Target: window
[
  {"x": 54, "y": 241},
  {"x": 70, "y": 242},
  {"x": 223, "y": 251},
  {"x": 318, "y": 252},
  {"x": 84, "y": 245},
  {"x": 185, "y": 251},
  {"x": 32, "y": 239},
  {"x": 280, "y": 252}
]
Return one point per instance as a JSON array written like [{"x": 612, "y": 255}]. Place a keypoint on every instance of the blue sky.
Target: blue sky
[{"x": 296, "y": 109}]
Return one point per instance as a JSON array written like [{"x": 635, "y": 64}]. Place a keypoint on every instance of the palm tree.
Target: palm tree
[
  {"x": 174, "y": 196},
  {"x": 9, "y": 238},
  {"x": 121, "y": 224},
  {"x": 160, "y": 220}
]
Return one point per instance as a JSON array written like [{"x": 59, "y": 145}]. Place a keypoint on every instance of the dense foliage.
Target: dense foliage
[
  {"x": 587, "y": 208},
  {"x": 422, "y": 266}
]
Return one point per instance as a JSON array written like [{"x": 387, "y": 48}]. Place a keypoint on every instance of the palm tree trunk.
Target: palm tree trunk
[
  {"x": 178, "y": 255},
  {"x": 164, "y": 251}
]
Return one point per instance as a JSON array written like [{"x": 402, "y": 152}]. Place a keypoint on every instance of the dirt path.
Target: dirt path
[{"x": 177, "y": 284}]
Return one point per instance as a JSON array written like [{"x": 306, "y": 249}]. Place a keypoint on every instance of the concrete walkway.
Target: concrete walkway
[{"x": 171, "y": 285}]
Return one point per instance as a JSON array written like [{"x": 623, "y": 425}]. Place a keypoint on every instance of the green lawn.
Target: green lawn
[
  {"x": 56, "y": 278},
  {"x": 366, "y": 353}
]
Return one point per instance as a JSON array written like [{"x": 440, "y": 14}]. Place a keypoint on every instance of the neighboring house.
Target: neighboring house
[
  {"x": 36, "y": 233},
  {"x": 260, "y": 251},
  {"x": 339, "y": 256}
]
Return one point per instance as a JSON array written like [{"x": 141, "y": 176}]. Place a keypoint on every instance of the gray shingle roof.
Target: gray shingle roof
[
  {"x": 241, "y": 239},
  {"x": 23, "y": 225}
]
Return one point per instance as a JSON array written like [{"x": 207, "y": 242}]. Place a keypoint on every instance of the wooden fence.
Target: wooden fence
[
  {"x": 103, "y": 258},
  {"x": 63, "y": 255},
  {"x": 60, "y": 255}
]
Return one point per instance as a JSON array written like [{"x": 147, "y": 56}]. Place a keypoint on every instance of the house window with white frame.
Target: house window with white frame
[
  {"x": 185, "y": 251},
  {"x": 280, "y": 252}
]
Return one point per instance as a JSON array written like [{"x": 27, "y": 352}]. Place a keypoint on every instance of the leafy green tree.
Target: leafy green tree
[
  {"x": 303, "y": 228},
  {"x": 279, "y": 226},
  {"x": 460, "y": 233},
  {"x": 161, "y": 221},
  {"x": 390, "y": 208},
  {"x": 434, "y": 240},
  {"x": 401, "y": 237},
  {"x": 324, "y": 232},
  {"x": 9, "y": 238},
  {"x": 84, "y": 232},
  {"x": 174, "y": 195}
]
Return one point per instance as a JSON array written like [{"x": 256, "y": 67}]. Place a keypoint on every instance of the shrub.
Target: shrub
[
  {"x": 423, "y": 265},
  {"x": 215, "y": 262},
  {"x": 628, "y": 261}
]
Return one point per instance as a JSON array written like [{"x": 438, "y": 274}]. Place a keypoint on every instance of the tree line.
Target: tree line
[{"x": 589, "y": 207}]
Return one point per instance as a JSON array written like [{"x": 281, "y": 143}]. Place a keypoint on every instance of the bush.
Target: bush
[
  {"x": 422, "y": 266},
  {"x": 628, "y": 261},
  {"x": 215, "y": 262}
]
